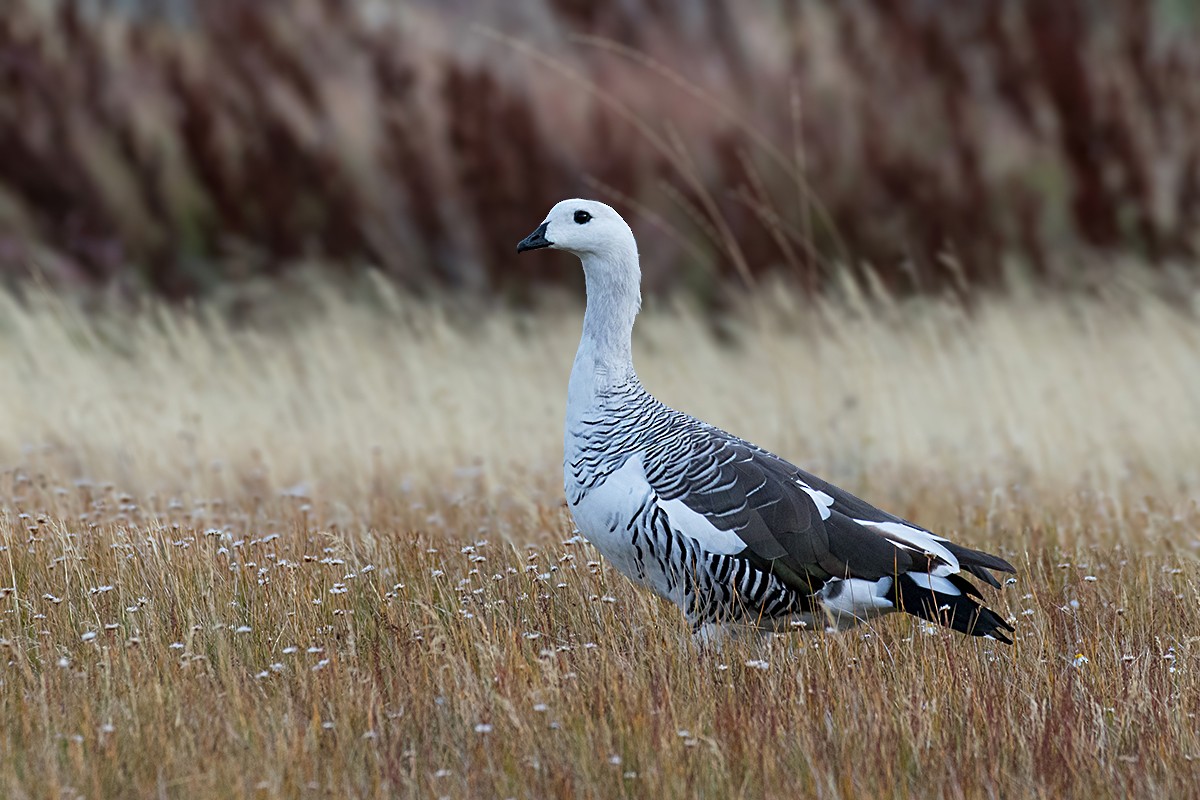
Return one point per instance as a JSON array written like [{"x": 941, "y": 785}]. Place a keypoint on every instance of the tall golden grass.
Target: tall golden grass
[{"x": 327, "y": 555}]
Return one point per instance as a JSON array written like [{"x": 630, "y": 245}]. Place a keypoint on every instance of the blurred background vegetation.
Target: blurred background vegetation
[{"x": 184, "y": 147}]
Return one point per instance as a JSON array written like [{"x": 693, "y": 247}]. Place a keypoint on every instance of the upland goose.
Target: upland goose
[{"x": 734, "y": 535}]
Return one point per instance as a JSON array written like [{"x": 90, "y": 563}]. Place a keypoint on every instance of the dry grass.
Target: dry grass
[{"x": 332, "y": 560}]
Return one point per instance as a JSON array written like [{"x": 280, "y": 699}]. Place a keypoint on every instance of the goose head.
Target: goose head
[{"x": 588, "y": 228}]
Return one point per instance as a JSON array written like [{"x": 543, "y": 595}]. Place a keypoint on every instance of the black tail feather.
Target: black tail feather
[
  {"x": 960, "y": 612},
  {"x": 978, "y": 563}
]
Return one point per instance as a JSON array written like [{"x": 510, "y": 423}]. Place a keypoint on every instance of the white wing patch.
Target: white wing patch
[
  {"x": 696, "y": 526},
  {"x": 821, "y": 499},
  {"x": 934, "y": 583},
  {"x": 917, "y": 540}
]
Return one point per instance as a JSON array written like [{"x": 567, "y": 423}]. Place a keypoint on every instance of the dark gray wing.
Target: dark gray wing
[{"x": 769, "y": 503}]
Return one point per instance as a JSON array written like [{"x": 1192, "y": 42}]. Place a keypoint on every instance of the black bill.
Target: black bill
[{"x": 535, "y": 240}]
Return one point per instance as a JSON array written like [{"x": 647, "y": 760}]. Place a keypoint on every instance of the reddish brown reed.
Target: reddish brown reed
[{"x": 931, "y": 146}]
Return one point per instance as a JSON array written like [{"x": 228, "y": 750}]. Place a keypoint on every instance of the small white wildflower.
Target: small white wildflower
[
  {"x": 1090, "y": 578},
  {"x": 64, "y": 662},
  {"x": 614, "y": 760},
  {"x": 1079, "y": 660},
  {"x": 483, "y": 727},
  {"x": 437, "y": 573},
  {"x": 327, "y": 726},
  {"x": 313, "y": 650},
  {"x": 242, "y": 629},
  {"x": 291, "y": 648},
  {"x": 88, "y": 636},
  {"x": 758, "y": 664},
  {"x": 320, "y": 665},
  {"x": 176, "y": 645},
  {"x": 339, "y": 588},
  {"x": 541, "y": 708},
  {"x": 442, "y": 773}
]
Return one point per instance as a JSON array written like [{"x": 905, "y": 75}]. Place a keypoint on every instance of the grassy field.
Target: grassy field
[{"x": 327, "y": 556}]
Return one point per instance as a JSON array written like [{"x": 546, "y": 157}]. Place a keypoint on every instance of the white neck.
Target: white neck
[{"x": 605, "y": 356}]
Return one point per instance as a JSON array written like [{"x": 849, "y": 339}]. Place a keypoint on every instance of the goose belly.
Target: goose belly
[{"x": 612, "y": 516}]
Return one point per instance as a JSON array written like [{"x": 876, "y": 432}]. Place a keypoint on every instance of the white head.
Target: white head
[
  {"x": 587, "y": 228},
  {"x": 605, "y": 245}
]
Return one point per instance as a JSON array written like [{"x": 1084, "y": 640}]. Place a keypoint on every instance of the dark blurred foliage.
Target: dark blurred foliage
[{"x": 933, "y": 141}]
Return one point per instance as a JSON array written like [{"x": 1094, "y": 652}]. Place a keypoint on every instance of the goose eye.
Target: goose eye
[{"x": 581, "y": 217}]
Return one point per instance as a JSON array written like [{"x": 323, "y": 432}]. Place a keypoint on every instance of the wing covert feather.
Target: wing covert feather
[{"x": 739, "y": 487}]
